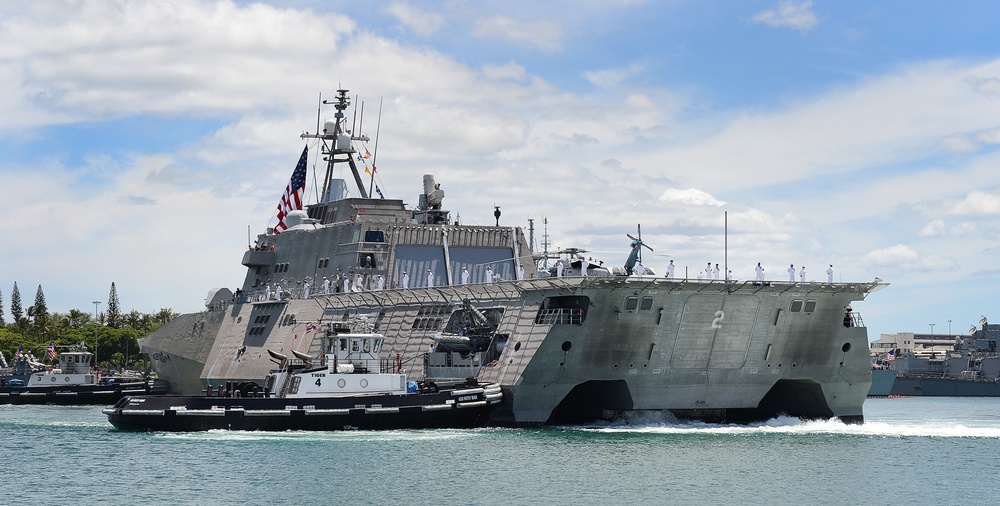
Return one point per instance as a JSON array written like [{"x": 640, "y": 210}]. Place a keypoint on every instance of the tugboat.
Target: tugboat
[
  {"x": 72, "y": 382},
  {"x": 348, "y": 388}
]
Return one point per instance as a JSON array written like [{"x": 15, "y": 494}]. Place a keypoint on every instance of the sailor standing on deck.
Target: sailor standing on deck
[
  {"x": 583, "y": 266},
  {"x": 559, "y": 268},
  {"x": 489, "y": 275},
  {"x": 760, "y": 272},
  {"x": 430, "y": 279},
  {"x": 708, "y": 271},
  {"x": 715, "y": 272},
  {"x": 520, "y": 272},
  {"x": 347, "y": 284},
  {"x": 326, "y": 286},
  {"x": 405, "y": 281},
  {"x": 729, "y": 275},
  {"x": 380, "y": 283},
  {"x": 358, "y": 283},
  {"x": 791, "y": 273},
  {"x": 802, "y": 274},
  {"x": 267, "y": 293},
  {"x": 465, "y": 275},
  {"x": 277, "y": 291},
  {"x": 670, "y": 269},
  {"x": 829, "y": 274},
  {"x": 639, "y": 269},
  {"x": 305, "y": 289}
]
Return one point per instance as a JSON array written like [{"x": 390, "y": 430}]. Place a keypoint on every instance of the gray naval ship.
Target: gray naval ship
[{"x": 565, "y": 349}]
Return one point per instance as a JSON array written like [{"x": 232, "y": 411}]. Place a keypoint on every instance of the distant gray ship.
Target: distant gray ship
[
  {"x": 564, "y": 349},
  {"x": 971, "y": 368}
]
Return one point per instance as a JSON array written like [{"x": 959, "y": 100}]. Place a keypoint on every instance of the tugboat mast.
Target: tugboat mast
[{"x": 339, "y": 138}]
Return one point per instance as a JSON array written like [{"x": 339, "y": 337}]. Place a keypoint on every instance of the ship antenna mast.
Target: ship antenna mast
[{"x": 339, "y": 144}]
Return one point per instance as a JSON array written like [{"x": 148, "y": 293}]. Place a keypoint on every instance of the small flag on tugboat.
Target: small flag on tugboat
[
  {"x": 292, "y": 199},
  {"x": 52, "y": 351},
  {"x": 19, "y": 353}
]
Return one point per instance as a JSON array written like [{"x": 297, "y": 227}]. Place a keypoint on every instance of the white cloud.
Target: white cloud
[
  {"x": 959, "y": 144},
  {"x": 798, "y": 16},
  {"x": 543, "y": 35},
  {"x": 420, "y": 21},
  {"x": 902, "y": 258},
  {"x": 689, "y": 197},
  {"x": 609, "y": 78},
  {"x": 975, "y": 203}
]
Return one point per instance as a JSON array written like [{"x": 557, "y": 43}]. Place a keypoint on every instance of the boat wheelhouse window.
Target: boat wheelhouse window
[
  {"x": 343, "y": 345},
  {"x": 376, "y": 346},
  {"x": 355, "y": 345},
  {"x": 646, "y": 303},
  {"x": 367, "y": 346},
  {"x": 374, "y": 236},
  {"x": 631, "y": 303},
  {"x": 810, "y": 306},
  {"x": 366, "y": 260},
  {"x": 796, "y": 306}
]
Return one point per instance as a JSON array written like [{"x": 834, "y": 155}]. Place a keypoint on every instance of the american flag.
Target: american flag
[
  {"x": 311, "y": 328},
  {"x": 52, "y": 351},
  {"x": 18, "y": 353},
  {"x": 889, "y": 357},
  {"x": 292, "y": 199}
]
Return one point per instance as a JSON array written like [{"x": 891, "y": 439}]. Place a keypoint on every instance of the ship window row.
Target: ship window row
[
  {"x": 289, "y": 319},
  {"x": 282, "y": 267},
  {"x": 432, "y": 310},
  {"x": 426, "y": 323},
  {"x": 262, "y": 319},
  {"x": 323, "y": 262},
  {"x": 256, "y": 331},
  {"x": 645, "y": 304},
  {"x": 563, "y": 315},
  {"x": 805, "y": 307}
]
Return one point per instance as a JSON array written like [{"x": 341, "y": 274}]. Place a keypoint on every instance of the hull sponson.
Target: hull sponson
[{"x": 733, "y": 351}]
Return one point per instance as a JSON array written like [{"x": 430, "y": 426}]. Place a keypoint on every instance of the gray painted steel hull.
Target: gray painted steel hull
[{"x": 717, "y": 351}]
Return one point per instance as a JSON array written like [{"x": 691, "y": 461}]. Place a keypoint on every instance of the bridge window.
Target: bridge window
[
  {"x": 646, "y": 303},
  {"x": 631, "y": 303},
  {"x": 810, "y": 306},
  {"x": 374, "y": 236},
  {"x": 796, "y": 306}
]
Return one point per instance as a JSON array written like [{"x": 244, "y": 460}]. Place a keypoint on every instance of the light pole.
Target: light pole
[
  {"x": 96, "y": 363},
  {"x": 932, "y": 329},
  {"x": 949, "y": 327}
]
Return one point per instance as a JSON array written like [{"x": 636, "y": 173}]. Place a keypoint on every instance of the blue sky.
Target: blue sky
[{"x": 139, "y": 140}]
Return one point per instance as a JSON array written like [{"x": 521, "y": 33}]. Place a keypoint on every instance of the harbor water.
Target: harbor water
[{"x": 909, "y": 451}]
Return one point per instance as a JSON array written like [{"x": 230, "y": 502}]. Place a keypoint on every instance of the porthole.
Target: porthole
[
  {"x": 517, "y": 346},
  {"x": 341, "y": 383},
  {"x": 364, "y": 383},
  {"x": 566, "y": 345},
  {"x": 846, "y": 347}
]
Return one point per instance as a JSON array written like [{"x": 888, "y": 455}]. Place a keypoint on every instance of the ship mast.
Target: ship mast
[{"x": 337, "y": 142}]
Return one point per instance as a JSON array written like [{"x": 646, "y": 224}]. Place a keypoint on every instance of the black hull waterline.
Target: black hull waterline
[
  {"x": 76, "y": 395},
  {"x": 440, "y": 410}
]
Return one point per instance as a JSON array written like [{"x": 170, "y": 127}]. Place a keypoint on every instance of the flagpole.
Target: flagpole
[{"x": 378, "y": 125}]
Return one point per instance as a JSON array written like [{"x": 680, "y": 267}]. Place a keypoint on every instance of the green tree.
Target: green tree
[
  {"x": 78, "y": 318},
  {"x": 114, "y": 313},
  {"x": 16, "y": 311},
  {"x": 41, "y": 311}
]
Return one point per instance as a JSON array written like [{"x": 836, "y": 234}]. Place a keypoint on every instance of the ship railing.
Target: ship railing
[{"x": 562, "y": 315}]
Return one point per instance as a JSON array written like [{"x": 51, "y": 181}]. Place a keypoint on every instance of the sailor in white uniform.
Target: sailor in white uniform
[
  {"x": 559, "y": 268},
  {"x": 708, "y": 271},
  {"x": 326, "y": 286},
  {"x": 729, "y": 275},
  {"x": 489, "y": 275},
  {"x": 639, "y": 269},
  {"x": 358, "y": 283},
  {"x": 267, "y": 293},
  {"x": 465, "y": 275},
  {"x": 760, "y": 272},
  {"x": 829, "y": 274},
  {"x": 802, "y": 274},
  {"x": 277, "y": 291},
  {"x": 715, "y": 272},
  {"x": 380, "y": 283},
  {"x": 405, "y": 281},
  {"x": 583, "y": 266},
  {"x": 791, "y": 273},
  {"x": 305, "y": 289},
  {"x": 670, "y": 269},
  {"x": 430, "y": 279},
  {"x": 520, "y": 272},
  {"x": 347, "y": 284}
]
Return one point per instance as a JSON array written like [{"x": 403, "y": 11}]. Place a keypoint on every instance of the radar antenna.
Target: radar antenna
[{"x": 337, "y": 141}]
